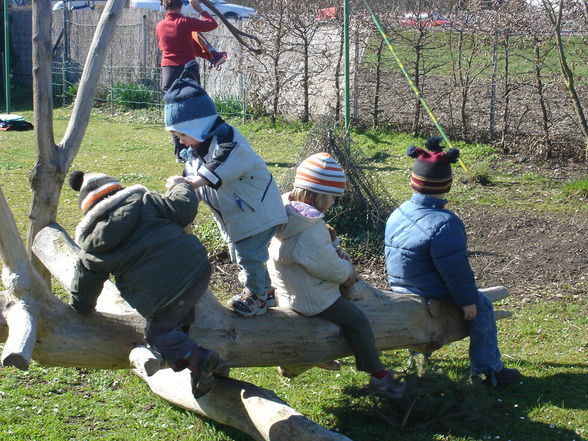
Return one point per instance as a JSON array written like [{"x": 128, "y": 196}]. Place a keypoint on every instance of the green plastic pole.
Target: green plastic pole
[
  {"x": 346, "y": 61},
  {"x": 417, "y": 92},
  {"x": 6, "y": 58}
]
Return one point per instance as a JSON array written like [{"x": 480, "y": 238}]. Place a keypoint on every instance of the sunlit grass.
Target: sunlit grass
[{"x": 547, "y": 342}]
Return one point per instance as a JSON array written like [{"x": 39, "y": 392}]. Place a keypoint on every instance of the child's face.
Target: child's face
[
  {"x": 186, "y": 139},
  {"x": 325, "y": 202}
]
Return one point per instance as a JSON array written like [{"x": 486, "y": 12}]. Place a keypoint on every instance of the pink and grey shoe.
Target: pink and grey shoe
[{"x": 387, "y": 386}]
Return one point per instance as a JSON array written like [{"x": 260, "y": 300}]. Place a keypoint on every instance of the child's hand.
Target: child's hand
[
  {"x": 197, "y": 181},
  {"x": 469, "y": 312},
  {"x": 196, "y": 5},
  {"x": 172, "y": 181},
  {"x": 343, "y": 255},
  {"x": 349, "y": 282}
]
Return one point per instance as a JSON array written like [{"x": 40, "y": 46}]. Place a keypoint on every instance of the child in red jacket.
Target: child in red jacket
[{"x": 177, "y": 45}]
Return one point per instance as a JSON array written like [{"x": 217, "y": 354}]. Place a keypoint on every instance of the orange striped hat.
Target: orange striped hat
[
  {"x": 93, "y": 187},
  {"x": 322, "y": 174}
]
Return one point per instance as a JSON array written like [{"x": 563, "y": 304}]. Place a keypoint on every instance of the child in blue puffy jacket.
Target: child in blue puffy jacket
[{"x": 426, "y": 254}]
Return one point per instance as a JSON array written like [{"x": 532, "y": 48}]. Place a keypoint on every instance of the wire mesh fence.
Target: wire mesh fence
[
  {"x": 131, "y": 76},
  {"x": 483, "y": 80}
]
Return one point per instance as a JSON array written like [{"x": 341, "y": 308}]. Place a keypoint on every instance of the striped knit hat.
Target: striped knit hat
[
  {"x": 188, "y": 108},
  {"x": 93, "y": 188},
  {"x": 322, "y": 174},
  {"x": 431, "y": 173}
]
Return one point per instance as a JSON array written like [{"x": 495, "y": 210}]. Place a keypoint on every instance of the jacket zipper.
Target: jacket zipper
[{"x": 267, "y": 187}]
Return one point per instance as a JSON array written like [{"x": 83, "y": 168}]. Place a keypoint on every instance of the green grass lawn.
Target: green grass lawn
[{"x": 548, "y": 342}]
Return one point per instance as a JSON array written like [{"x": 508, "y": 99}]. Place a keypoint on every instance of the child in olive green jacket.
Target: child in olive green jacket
[{"x": 137, "y": 236}]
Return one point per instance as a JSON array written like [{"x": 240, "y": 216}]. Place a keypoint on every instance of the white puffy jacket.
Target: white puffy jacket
[
  {"x": 243, "y": 196},
  {"x": 304, "y": 266}
]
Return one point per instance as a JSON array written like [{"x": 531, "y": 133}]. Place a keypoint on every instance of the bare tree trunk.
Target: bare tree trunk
[
  {"x": 507, "y": 89},
  {"x": 540, "y": 86},
  {"x": 378, "y": 84},
  {"x": 287, "y": 338},
  {"x": 338, "y": 77},
  {"x": 306, "y": 82},
  {"x": 53, "y": 161},
  {"x": 417, "y": 83},
  {"x": 249, "y": 408},
  {"x": 554, "y": 14},
  {"x": 25, "y": 297}
]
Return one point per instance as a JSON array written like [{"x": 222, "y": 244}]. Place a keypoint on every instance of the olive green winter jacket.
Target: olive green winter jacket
[{"x": 137, "y": 236}]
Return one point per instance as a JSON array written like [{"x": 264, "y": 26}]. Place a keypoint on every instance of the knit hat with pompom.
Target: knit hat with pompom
[
  {"x": 93, "y": 188},
  {"x": 431, "y": 173}
]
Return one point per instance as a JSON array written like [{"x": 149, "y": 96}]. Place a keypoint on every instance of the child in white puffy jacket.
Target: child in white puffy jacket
[
  {"x": 234, "y": 181},
  {"x": 307, "y": 270}
]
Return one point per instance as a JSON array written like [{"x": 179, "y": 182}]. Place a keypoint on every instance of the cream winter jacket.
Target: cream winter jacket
[{"x": 304, "y": 266}]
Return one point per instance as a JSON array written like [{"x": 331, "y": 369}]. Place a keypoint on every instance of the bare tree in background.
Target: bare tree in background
[
  {"x": 377, "y": 48},
  {"x": 272, "y": 27},
  {"x": 420, "y": 39},
  {"x": 304, "y": 25},
  {"x": 555, "y": 12},
  {"x": 469, "y": 63}
]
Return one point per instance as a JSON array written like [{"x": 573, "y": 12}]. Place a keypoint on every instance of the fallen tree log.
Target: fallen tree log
[
  {"x": 281, "y": 337},
  {"x": 111, "y": 338},
  {"x": 249, "y": 408}
]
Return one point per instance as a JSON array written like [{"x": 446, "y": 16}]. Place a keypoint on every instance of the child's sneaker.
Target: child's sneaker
[
  {"x": 387, "y": 387},
  {"x": 248, "y": 304},
  {"x": 205, "y": 363},
  {"x": 270, "y": 294}
]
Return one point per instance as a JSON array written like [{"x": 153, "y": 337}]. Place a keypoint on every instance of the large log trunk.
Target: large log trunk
[
  {"x": 58, "y": 336},
  {"x": 251, "y": 409},
  {"x": 281, "y": 337}
]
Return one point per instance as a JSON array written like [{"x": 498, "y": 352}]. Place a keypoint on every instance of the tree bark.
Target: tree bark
[
  {"x": 53, "y": 161},
  {"x": 555, "y": 13},
  {"x": 249, "y": 408}
]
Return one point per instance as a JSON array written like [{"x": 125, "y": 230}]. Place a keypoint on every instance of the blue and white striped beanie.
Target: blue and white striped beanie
[{"x": 188, "y": 108}]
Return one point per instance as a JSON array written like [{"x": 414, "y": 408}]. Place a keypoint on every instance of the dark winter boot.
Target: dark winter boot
[
  {"x": 205, "y": 364},
  {"x": 505, "y": 376}
]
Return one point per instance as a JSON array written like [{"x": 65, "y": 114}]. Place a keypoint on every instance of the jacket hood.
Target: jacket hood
[
  {"x": 110, "y": 221},
  {"x": 297, "y": 223}
]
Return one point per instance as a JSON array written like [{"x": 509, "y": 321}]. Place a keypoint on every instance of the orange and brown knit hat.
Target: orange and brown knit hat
[
  {"x": 431, "y": 173},
  {"x": 93, "y": 188},
  {"x": 322, "y": 174}
]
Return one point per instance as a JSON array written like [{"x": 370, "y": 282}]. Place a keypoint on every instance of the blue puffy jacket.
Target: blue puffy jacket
[{"x": 426, "y": 251}]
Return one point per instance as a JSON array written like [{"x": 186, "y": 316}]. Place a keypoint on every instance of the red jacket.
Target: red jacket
[{"x": 174, "y": 33}]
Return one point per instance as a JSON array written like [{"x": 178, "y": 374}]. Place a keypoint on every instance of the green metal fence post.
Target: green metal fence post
[{"x": 7, "y": 58}]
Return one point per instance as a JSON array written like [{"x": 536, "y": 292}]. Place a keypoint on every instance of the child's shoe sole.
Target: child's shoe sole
[{"x": 247, "y": 305}]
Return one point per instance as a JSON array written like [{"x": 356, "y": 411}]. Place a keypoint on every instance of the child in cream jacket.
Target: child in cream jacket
[{"x": 307, "y": 270}]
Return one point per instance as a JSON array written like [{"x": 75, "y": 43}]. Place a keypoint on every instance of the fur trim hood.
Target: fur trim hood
[{"x": 111, "y": 220}]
